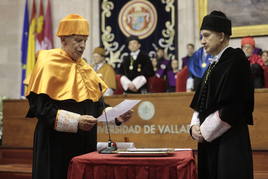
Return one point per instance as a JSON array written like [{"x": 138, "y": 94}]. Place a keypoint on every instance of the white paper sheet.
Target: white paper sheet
[
  {"x": 148, "y": 149},
  {"x": 181, "y": 149},
  {"x": 118, "y": 110},
  {"x": 120, "y": 145}
]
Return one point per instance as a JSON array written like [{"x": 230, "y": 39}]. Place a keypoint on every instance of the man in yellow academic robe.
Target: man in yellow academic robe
[{"x": 65, "y": 97}]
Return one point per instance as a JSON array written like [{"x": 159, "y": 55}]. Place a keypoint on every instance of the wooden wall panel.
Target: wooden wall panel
[
  {"x": 168, "y": 126},
  {"x": 18, "y": 131}
]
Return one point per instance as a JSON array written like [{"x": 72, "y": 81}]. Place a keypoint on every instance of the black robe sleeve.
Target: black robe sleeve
[
  {"x": 236, "y": 96},
  {"x": 42, "y": 107}
]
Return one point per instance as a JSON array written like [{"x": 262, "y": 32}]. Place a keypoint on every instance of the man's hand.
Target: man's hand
[
  {"x": 132, "y": 87},
  {"x": 196, "y": 133},
  {"x": 86, "y": 122},
  {"x": 125, "y": 117}
]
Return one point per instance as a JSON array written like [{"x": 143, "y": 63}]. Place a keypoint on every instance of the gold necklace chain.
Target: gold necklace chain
[
  {"x": 211, "y": 67},
  {"x": 131, "y": 63}
]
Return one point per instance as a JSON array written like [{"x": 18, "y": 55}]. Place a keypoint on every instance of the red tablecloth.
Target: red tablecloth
[{"x": 180, "y": 165}]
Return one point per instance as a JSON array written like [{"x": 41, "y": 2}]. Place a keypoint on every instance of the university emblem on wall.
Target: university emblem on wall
[
  {"x": 153, "y": 21},
  {"x": 138, "y": 17}
]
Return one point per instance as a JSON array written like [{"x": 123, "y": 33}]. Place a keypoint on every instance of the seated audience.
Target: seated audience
[
  {"x": 154, "y": 63},
  {"x": 198, "y": 64},
  {"x": 264, "y": 57},
  {"x": 257, "y": 51},
  {"x": 256, "y": 62},
  {"x": 190, "y": 52},
  {"x": 171, "y": 76},
  {"x": 162, "y": 64},
  {"x": 104, "y": 70},
  {"x": 135, "y": 68}
]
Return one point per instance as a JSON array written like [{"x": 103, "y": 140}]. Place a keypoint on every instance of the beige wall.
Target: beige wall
[
  {"x": 11, "y": 13},
  {"x": 189, "y": 30},
  {"x": 9, "y": 46}
]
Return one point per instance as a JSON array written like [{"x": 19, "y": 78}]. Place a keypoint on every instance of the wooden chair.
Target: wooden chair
[
  {"x": 119, "y": 89},
  {"x": 157, "y": 85},
  {"x": 181, "y": 80},
  {"x": 265, "y": 73}
]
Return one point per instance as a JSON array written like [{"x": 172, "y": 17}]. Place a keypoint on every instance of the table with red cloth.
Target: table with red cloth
[{"x": 177, "y": 165}]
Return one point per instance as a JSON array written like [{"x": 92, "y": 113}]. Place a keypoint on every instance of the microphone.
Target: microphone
[{"x": 111, "y": 145}]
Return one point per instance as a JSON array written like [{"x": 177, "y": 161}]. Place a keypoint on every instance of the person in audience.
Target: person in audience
[
  {"x": 105, "y": 70},
  {"x": 154, "y": 63},
  {"x": 163, "y": 64},
  {"x": 172, "y": 75},
  {"x": 256, "y": 62},
  {"x": 257, "y": 51},
  {"x": 198, "y": 64},
  {"x": 65, "y": 95},
  {"x": 223, "y": 105},
  {"x": 264, "y": 57},
  {"x": 135, "y": 68},
  {"x": 190, "y": 52}
]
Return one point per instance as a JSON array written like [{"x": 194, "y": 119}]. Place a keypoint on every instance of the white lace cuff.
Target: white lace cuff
[
  {"x": 66, "y": 121},
  {"x": 195, "y": 120},
  {"x": 213, "y": 127}
]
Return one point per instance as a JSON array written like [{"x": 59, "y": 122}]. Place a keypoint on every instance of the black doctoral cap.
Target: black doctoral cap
[{"x": 218, "y": 22}]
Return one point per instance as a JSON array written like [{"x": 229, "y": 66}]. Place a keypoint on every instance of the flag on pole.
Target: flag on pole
[
  {"x": 40, "y": 28},
  {"x": 48, "y": 38},
  {"x": 31, "y": 44},
  {"x": 24, "y": 46}
]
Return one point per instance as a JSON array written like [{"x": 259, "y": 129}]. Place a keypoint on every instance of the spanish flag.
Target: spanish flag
[
  {"x": 48, "y": 38},
  {"x": 40, "y": 28},
  {"x": 24, "y": 46},
  {"x": 31, "y": 43}
]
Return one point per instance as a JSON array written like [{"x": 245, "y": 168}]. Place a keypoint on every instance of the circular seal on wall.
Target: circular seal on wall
[
  {"x": 146, "y": 110},
  {"x": 138, "y": 17}
]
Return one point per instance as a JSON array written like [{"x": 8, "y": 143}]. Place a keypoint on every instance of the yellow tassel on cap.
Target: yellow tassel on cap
[{"x": 73, "y": 24}]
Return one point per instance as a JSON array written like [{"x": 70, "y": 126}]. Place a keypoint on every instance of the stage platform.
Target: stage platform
[{"x": 159, "y": 120}]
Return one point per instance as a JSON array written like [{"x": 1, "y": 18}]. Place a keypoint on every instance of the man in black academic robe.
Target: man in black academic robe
[
  {"x": 223, "y": 106},
  {"x": 65, "y": 95},
  {"x": 135, "y": 68}
]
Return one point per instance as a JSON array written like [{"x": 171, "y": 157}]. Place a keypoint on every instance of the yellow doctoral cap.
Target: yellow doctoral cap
[
  {"x": 73, "y": 24},
  {"x": 100, "y": 51}
]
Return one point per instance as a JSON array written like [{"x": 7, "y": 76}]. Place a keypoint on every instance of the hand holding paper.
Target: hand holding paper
[
  {"x": 125, "y": 117},
  {"x": 118, "y": 110}
]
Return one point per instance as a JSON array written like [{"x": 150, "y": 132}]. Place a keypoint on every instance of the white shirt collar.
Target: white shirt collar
[
  {"x": 98, "y": 66},
  {"x": 135, "y": 54},
  {"x": 218, "y": 56}
]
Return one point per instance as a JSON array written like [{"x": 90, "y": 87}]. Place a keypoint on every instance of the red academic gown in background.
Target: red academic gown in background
[
  {"x": 257, "y": 70},
  {"x": 265, "y": 76},
  {"x": 230, "y": 91}
]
